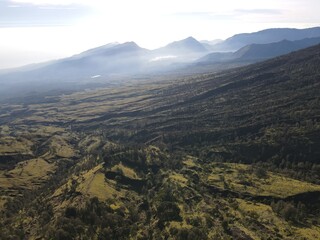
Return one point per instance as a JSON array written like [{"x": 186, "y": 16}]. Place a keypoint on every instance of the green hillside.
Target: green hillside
[{"x": 228, "y": 155}]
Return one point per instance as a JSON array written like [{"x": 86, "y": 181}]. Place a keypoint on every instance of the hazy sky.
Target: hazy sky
[{"x": 38, "y": 30}]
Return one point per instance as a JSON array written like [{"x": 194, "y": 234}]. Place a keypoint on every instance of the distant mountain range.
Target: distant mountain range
[
  {"x": 111, "y": 60},
  {"x": 238, "y": 41},
  {"x": 257, "y": 52},
  {"x": 121, "y": 58},
  {"x": 128, "y": 59}
]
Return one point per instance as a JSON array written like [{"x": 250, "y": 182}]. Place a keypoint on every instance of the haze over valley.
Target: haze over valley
[
  {"x": 182, "y": 121},
  {"x": 113, "y": 62}
]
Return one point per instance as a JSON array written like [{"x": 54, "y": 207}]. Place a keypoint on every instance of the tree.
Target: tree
[
  {"x": 168, "y": 211},
  {"x": 71, "y": 212}
]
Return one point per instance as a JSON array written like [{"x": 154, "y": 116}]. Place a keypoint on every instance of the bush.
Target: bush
[
  {"x": 168, "y": 211},
  {"x": 71, "y": 212},
  {"x": 261, "y": 172}
]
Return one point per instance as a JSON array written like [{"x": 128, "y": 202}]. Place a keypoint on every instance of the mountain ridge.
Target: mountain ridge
[
  {"x": 259, "y": 52},
  {"x": 266, "y": 36}
]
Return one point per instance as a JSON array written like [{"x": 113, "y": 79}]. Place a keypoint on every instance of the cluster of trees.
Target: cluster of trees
[
  {"x": 95, "y": 219},
  {"x": 295, "y": 213},
  {"x": 143, "y": 159},
  {"x": 304, "y": 171}
]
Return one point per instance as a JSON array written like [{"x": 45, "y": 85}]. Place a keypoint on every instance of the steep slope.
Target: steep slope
[{"x": 266, "y": 36}]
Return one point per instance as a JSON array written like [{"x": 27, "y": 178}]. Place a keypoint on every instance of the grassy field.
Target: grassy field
[
  {"x": 242, "y": 178},
  {"x": 27, "y": 174},
  {"x": 93, "y": 184},
  {"x": 10, "y": 145},
  {"x": 126, "y": 171}
]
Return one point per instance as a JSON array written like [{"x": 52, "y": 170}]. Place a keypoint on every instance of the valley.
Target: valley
[{"x": 223, "y": 155}]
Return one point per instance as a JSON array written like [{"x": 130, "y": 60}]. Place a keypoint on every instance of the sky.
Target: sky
[{"x": 40, "y": 30}]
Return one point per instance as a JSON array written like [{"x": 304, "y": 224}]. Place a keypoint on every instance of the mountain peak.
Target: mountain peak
[
  {"x": 131, "y": 43},
  {"x": 187, "y": 44},
  {"x": 190, "y": 39},
  {"x": 109, "y": 49},
  {"x": 128, "y": 46}
]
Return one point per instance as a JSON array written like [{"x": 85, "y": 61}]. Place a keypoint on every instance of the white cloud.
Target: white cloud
[
  {"x": 53, "y": 2},
  {"x": 164, "y": 6},
  {"x": 162, "y": 58},
  {"x": 95, "y": 76},
  {"x": 14, "y": 6}
]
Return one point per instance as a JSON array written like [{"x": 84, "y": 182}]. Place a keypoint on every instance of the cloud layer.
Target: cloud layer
[{"x": 28, "y": 15}]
